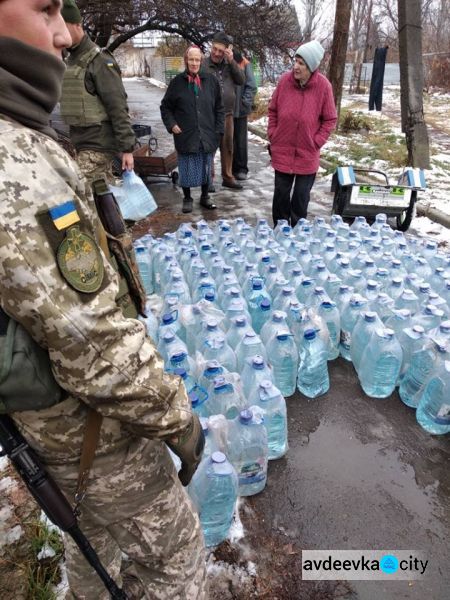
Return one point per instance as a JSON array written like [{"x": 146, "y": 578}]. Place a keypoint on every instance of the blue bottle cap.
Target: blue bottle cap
[
  {"x": 265, "y": 304},
  {"x": 210, "y": 296},
  {"x": 287, "y": 291},
  {"x": 257, "y": 283},
  {"x": 245, "y": 416},
  {"x": 370, "y": 316},
  {"x": 180, "y": 372},
  {"x": 240, "y": 321},
  {"x": 258, "y": 362},
  {"x": 327, "y": 304},
  {"x": 419, "y": 329},
  {"x": 278, "y": 316},
  {"x": 168, "y": 336},
  {"x": 309, "y": 334},
  {"x": 265, "y": 384},
  {"x": 283, "y": 336},
  {"x": 140, "y": 249},
  {"x": 396, "y": 281},
  {"x": 168, "y": 318},
  {"x": 213, "y": 364},
  {"x": 211, "y": 324},
  {"x": 218, "y": 457},
  {"x": 219, "y": 382},
  {"x": 178, "y": 357}
]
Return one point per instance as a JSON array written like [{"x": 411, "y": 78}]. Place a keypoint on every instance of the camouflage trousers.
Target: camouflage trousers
[
  {"x": 96, "y": 165},
  {"x": 135, "y": 505}
]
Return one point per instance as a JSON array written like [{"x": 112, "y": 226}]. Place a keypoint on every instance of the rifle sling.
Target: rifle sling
[{"x": 90, "y": 441}]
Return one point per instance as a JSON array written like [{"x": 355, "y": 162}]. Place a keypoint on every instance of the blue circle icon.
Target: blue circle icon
[{"x": 389, "y": 564}]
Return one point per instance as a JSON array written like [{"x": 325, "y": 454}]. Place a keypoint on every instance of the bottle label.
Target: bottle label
[
  {"x": 251, "y": 473},
  {"x": 443, "y": 415}
]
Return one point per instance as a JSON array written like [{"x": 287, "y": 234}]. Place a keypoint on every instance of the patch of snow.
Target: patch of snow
[
  {"x": 156, "y": 83},
  {"x": 236, "y": 532},
  {"x": 62, "y": 588},
  {"x": 4, "y": 462},
  {"x": 6, "y": 483},
  {"x": 46, "y": 552},
  {"x": 11, "y": 536}
]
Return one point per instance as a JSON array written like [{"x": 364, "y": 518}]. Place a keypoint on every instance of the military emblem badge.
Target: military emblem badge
[
  {"x": 80, "y": 261},
  {"x": 78, "y": 255}
]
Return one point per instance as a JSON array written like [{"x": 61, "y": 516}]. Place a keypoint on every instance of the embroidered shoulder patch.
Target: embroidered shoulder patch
[{"x": 80, "y": 261}]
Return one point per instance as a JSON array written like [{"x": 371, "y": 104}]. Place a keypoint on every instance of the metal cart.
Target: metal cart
[
  {"x": 148, "y": 165},
  {"x": 356, "y": 192}
]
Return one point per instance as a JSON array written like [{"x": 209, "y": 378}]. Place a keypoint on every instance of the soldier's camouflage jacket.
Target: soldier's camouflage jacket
[{"x": 99, "y": 357}]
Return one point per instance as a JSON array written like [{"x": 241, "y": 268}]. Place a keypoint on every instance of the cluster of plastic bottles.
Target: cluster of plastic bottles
[{"x": 249, "y": 314}]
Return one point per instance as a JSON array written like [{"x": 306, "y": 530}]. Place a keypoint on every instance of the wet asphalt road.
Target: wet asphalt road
[{"x": 360, "y": 473}]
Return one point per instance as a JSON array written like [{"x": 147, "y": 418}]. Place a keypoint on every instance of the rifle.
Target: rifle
[{"x": 49, "y": 497}]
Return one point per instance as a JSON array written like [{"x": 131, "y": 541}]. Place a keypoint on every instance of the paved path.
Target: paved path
[{"x": 360, "y": 473}]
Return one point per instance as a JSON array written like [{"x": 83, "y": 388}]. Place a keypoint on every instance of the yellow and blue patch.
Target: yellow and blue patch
[{"x": 64, "y": 215}]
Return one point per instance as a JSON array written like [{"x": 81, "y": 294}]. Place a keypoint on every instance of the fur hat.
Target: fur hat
[
  {"x": 70, "y": 12},
  {"x": 312, "y": 53}
]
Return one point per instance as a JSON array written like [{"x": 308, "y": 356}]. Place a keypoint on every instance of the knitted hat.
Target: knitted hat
[
  {"x": 312, "y": 53},
  {"x": 70, "y": 12}
]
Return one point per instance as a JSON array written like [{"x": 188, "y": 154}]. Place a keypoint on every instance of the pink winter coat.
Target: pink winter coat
[{"x": 300, "y": 122}]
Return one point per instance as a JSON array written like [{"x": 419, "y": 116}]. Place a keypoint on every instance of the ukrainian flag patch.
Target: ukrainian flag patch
[{"x": 64, "y": 215}]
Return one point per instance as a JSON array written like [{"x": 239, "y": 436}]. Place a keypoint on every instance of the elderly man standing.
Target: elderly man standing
[
  {"x": 222, "y": 64},
  {"x": 94, "y": 103}
]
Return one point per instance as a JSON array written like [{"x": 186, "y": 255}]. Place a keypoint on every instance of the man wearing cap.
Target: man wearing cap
[
  {"x": 94, "y": 103},
  {"x": 221, "y": 63},
  {"x": 302, "y": 115}
]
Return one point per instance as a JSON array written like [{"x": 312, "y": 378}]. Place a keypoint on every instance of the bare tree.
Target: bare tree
[
  {"x": 339, "y": 49},
  {"x": 411, "y": 82},
  {"x": 313, "y": 15}
]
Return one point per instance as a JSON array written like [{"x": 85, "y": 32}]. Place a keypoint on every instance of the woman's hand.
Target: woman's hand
[{"x": 176, "y": 129}]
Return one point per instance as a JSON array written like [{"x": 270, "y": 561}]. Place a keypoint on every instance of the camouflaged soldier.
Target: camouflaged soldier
[
  {"x": 94, "y": 103},
  {"x": 57, "y": 283}
]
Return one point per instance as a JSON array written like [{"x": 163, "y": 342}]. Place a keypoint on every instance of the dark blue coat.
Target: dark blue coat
[{"x": 200, "y": 118}]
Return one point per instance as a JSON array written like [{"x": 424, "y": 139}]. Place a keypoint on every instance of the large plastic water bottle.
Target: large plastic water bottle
[
  {"x": 225, "y": 399},
  {"x": 366, "y": 325},
  {"x": 330, "y": 315},
  {"x": 423, "y": 363},
  {"x": 269, "y": 329},
  {"x": 144, "y": 263},
  {"x": 408, "y": 299},
  {"x": 218, "y": 349},
  {"x": 255, "y": 370},
  {"x": 248, "y": 453},
  {"x": 212, "y": 370},
  {"x": 170, "y": 322},
  {"x": 214, "y": 490},
  {"x": 239, "y": 327},
  {"x": 270, "y": 399},
  {"x": 197, "y": 395},
  {"x": 283, "y": 353},
  {"x": 429, "y": 317},
  {"x": 313, "y": 379},
  {"x": 170, "y": 344},
  {"x": 433, "y": 411},
  {"x": 399, "y": 320},
  {"x": 254, "y": 298},
  {"x": 380, "y": 364},
  {"x": 348, "y": 321},
  {"x": 261, "y": 314},
  {"x": 250, "y": 345}
]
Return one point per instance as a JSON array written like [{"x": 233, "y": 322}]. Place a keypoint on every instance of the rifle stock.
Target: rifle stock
[{"x": 50, "y": 498}]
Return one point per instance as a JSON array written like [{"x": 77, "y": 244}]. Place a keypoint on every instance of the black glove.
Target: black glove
[{"x": 188, "y": 446}]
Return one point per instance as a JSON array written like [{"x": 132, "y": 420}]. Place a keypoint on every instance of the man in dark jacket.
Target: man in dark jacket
[
  {"x": 94, "y": 103},
  {"x": 222, "y": 64},
  {"x": 245, "y": 95}
]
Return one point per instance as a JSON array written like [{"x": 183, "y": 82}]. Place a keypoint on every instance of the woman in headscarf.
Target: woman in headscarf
[
  {"x": 301, "y": 117},
  {"x": 192, "y": 110}
]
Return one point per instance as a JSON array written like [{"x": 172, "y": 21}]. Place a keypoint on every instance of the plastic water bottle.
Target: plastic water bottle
[
  {"x": 168, "y": 345},
  {"x": 180, "y": 360},
  {"x": 248, "y": 453},
  {"x": 331, "y": 317},
  {"x": 423, "y": 363},
  {"x": 171, "y": 322},
  {"x": 429, "y": 317},
  {"x": 212, "y": 370},
  {"x": 214, "y": 490},
  {"x": 408, "y": 299},
  {"x": 254, "y": 298},
  {"x": 144, "y": 264},
  {"x": 269, "y": 329},
  {"x": 433, "y": 411},
  {"x": 250, "y": 345},
  {"x": 255, "y": 370},
  {"x": 270, "y": 399},
  {"x": 380, "y": 364},
  {"x": 399, "y": 320},
  {"x": 217, "y": 349},
  {"x": 239, "y": 327},
  {"x": 348, "y": 320},
  {"x": 261, "y": 314},
  {"x": 197, "y": 395},
  {"x": 313, "y": 379},
  {"x": 366, "y": 325},
  {"x": 225, "y": 399},
  {"x": 284, "y": 361}
]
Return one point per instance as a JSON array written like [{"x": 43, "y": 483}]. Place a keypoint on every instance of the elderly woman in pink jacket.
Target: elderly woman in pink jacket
[{"x": 302, "y": 115}]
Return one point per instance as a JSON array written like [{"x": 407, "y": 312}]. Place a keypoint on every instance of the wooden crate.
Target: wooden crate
[{"x": 146, "y": 164}]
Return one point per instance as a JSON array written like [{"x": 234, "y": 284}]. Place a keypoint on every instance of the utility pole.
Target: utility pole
[
  {"x": 339, "y": 49},
  {"x": 411, "y": 83}
]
